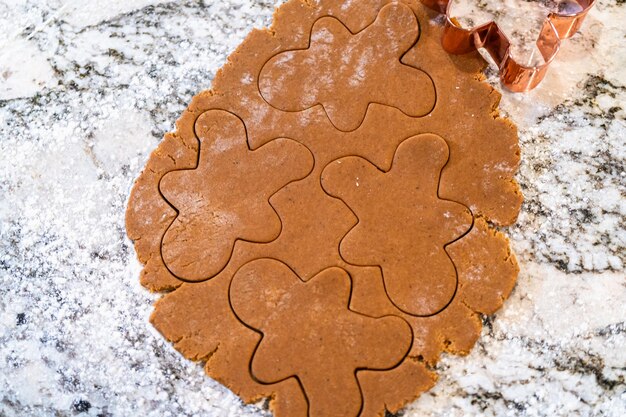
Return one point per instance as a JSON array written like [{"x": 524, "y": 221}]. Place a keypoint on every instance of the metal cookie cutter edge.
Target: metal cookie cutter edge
[{"x": 515, "y": 76}]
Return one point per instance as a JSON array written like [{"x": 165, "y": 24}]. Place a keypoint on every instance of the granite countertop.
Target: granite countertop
[{"x": 87, "y": 90}]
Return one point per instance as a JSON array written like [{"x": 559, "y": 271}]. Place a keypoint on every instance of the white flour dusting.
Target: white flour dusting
[{"x": 108, "y": 82}]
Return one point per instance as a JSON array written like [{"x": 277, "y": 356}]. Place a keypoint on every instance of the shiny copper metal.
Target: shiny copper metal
[{"x": 515, "y": 76}]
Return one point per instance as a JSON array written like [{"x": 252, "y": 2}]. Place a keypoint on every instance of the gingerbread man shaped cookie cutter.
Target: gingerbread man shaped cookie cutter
[{"x": 514, "y": 76}]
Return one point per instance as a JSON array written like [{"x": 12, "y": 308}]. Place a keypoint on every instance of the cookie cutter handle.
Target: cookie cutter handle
[{"x": 514, "y": 76}]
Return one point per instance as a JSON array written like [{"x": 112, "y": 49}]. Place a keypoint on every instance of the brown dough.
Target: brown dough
[
  {"x": 226, "y": 196},
  {"x": 198, "y": 319},
  {"x": 365, "y": 67},
  {"x": 389, "y": 390},
  {"x": 309, "y": 332},
  {"x": 296, "y": 223},
  {"x": 403, "y": 225}
]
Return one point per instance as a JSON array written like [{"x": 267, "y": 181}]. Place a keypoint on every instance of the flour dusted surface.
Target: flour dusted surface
[{"x": 74, "y": 336}]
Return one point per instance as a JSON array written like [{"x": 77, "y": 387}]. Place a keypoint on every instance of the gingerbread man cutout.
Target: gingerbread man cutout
[
  {"x": 403, "y": 225},
  {"x": 225, "y": 197},
  {"x": 310, "y": 333},
  {"x": 337, "y": 60}
]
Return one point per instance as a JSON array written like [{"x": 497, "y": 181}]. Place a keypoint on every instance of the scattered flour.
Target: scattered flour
[{"x": 74, "y": 331}]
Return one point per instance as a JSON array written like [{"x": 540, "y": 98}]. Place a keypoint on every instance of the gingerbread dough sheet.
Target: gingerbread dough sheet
[{"x": 321, "y": 217}]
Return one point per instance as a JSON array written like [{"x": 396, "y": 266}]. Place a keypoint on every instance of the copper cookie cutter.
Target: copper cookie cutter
[{"x": 515, "y": 76}]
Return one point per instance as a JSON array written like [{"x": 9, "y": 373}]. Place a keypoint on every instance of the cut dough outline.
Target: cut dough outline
[
  {"x": 177, "y": 211},
  {"x": 385, "y": 170},
  {"x": 367, "y": 110},
  {"x": 349, "y": 300}
]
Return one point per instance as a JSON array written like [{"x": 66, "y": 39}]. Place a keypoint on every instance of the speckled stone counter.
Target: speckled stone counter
[{"x": 87, "y": 90}]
